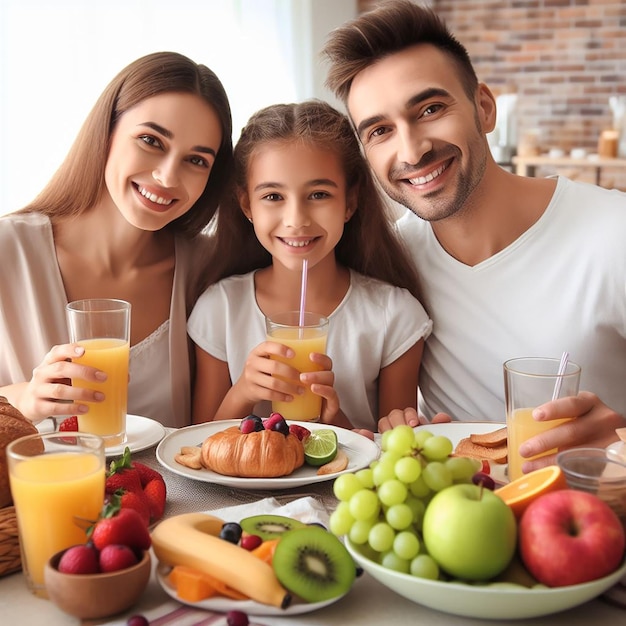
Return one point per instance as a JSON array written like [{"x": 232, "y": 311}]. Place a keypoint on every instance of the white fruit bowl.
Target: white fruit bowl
[{"x": 487, "y": 602}]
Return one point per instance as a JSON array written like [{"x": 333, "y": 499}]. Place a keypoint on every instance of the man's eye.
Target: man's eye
[{"x": 432, "y": 109}]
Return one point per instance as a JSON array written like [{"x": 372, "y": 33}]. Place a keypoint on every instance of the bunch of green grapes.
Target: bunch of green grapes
[{"x": 381, "y": 507}]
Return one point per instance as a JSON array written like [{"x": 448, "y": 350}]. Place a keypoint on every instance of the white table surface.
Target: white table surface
[{"x": 368, "y": 603}]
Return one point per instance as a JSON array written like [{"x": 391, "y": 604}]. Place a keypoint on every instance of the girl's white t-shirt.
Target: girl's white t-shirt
[{"x": 374, "y": 325}]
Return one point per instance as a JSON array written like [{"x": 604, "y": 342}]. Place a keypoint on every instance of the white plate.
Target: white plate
[
  {"x": 455, "y": 431},
  {"x": 141, "y": 433},
  {"x": 250, "y": 607},
  {"x": 484, "y": 601},
  {"x": 361, "y": 452}
]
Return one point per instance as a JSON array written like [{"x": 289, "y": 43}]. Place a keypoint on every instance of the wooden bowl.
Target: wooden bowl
[{"x": 95, "y": 596}]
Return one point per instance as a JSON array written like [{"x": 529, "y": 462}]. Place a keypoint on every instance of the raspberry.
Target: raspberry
[
  {"x": 251, "y": 424},
  {"x": 276, "y": 422}
]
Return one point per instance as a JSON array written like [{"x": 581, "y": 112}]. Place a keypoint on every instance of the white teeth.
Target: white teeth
[
  {"x": 297, "y": 244},
  {"x": 426, "y": 179},
  {"x": 153, "y": 197}
]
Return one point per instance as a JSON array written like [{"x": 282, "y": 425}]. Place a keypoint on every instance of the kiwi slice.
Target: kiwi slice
[
  {"x": 269, "y": 526},
  {"x": 313, "y": 564}
]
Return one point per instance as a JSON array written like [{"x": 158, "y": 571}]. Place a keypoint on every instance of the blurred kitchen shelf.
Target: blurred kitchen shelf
[{"x": 527, "y": 166}]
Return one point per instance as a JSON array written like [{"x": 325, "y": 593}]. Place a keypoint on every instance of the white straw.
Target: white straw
[
  {"x": 305, "y": 263},
  {"x": 561, "y": 372}
]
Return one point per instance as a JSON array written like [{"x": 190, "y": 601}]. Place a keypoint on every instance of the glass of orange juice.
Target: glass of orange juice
[
  {"x": 102, "y": 327},
  {"x": 529, "y": 382},
  {"x": 57, "y": 485},
  {"x": 310, "y": 336}
]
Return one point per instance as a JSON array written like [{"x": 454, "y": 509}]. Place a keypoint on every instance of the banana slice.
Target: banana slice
[{"x": 338, "y": 464}]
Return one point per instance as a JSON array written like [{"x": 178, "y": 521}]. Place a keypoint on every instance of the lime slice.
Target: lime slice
[{"x": 320, "y": 447}]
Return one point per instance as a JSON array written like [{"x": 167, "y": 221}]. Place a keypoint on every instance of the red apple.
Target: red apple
[{"x": 569, "y": 537}]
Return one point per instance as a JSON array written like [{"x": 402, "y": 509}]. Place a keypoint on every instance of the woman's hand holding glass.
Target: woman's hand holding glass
[{"x": 49, "y": 392}]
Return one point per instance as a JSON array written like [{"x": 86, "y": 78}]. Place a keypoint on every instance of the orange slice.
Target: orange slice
[{"x": 519, "y": 493}]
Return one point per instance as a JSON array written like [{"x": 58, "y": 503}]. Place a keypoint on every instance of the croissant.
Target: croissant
[
  {"x": 12, "y": 425},
  {"x": 260, "y": 454}
]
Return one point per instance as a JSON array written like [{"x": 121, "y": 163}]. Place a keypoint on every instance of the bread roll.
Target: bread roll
[{"x": 12, "y": 426}]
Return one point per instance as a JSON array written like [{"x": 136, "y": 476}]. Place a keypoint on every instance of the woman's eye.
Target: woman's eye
[
  {"x": 151, "y": 141},
  {"x": 197, "y": 160}
]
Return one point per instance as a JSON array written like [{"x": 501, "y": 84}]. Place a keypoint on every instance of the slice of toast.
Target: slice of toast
[
  {"x": 497, "y": 454},
  {"x": 494, "y": 439}
]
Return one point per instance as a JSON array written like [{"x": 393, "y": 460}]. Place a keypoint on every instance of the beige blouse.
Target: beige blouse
[{"x": 32, "y": 320}]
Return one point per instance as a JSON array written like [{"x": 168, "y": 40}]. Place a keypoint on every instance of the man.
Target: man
[{"x": 510, "y": 266}]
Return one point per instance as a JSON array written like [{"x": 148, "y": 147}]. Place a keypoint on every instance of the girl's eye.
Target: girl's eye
[
  {"x": 151, "y": 141},
  {"x": 320, "y": 195},
  {"x": 272, "y": 197}
]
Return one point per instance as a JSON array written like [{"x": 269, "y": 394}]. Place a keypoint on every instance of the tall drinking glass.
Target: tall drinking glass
[
  {"x": 303, "y": 339},
  {"x": 57, "y": 484},
  {"x": 102, "y": 327},
  {"x": 529, "y": 382}
]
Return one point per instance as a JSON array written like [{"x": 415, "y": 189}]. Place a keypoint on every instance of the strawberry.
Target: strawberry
[
  {"x": 146, "y": 474},
  {"x": 138, "y": 501},
  {"x": 155, "y": 492},
  {"x": 125, "y": 527},
  {"x": 122, "y": 475},
  {"x": 69, "y": 424},
  {"x": 125, "y": 480},
  {"x": 80, "y": 559},
  {"x": 115, "y": 556}
]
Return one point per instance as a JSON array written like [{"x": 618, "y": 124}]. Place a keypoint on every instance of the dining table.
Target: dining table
[{"x": 367, "y": 603}]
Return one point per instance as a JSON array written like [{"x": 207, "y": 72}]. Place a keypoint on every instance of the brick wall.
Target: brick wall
[{"x": 564, "y": 58}]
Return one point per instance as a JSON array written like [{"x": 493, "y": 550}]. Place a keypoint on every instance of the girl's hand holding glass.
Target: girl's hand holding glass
[
  {"x": 264, "y": 378},
  {"x": 322, "y": 383}
]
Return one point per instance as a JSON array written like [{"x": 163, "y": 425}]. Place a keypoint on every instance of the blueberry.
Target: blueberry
[{"x": 231, "y": 531}]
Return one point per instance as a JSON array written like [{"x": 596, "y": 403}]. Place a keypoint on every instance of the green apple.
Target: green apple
[{"x": 470, "y": 532}]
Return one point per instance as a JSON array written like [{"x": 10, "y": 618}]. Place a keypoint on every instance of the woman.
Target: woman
[{"x": 121, "y": 218}]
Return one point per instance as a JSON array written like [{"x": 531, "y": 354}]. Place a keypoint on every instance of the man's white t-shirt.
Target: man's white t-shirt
[
  {"x": 561, "y": 286},
  {"x": 374, "y": 325}
]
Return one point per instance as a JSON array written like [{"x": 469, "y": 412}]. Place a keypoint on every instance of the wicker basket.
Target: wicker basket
[{"x": 10, "y": 560}]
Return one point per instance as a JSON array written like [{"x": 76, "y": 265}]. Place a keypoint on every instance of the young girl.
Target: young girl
[
  {"x": 121, "y": 218},
  {"x": 303, "y": 190}
]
